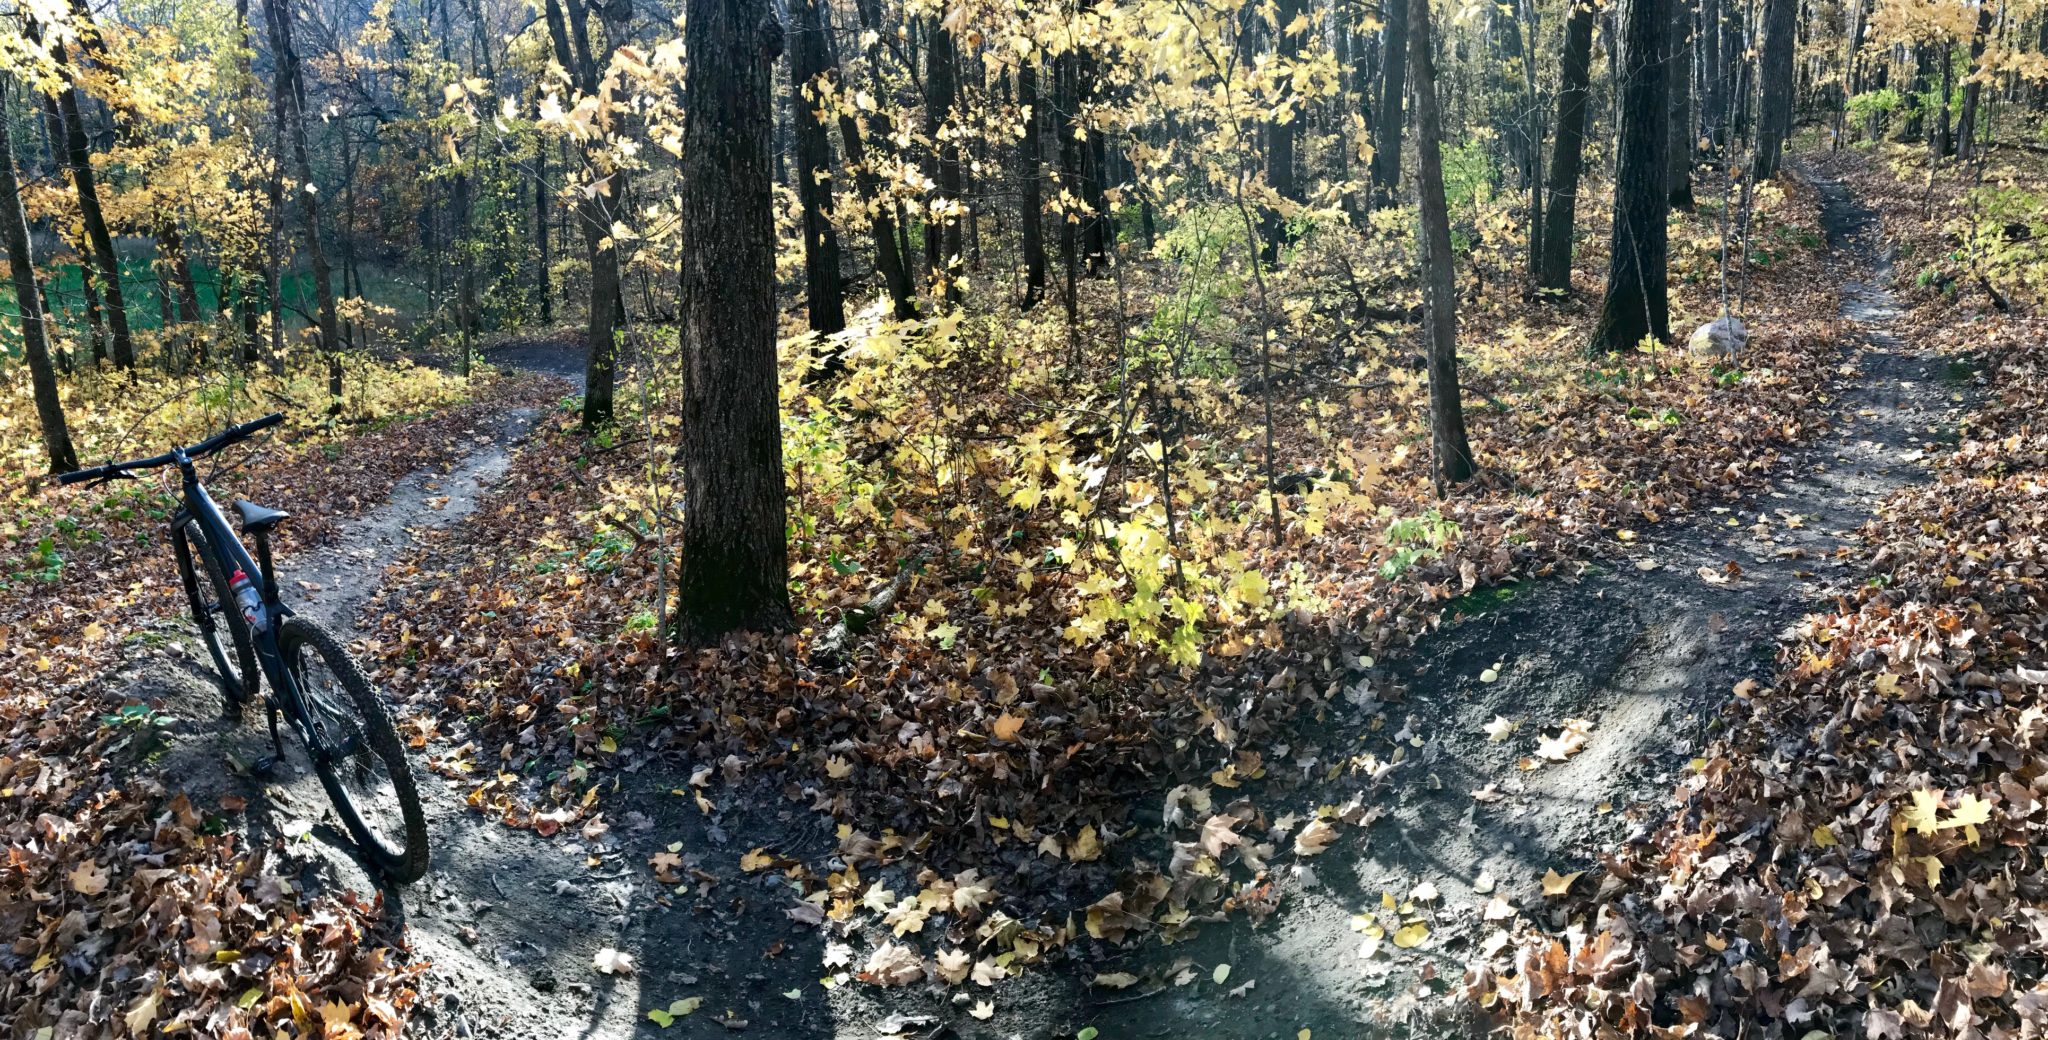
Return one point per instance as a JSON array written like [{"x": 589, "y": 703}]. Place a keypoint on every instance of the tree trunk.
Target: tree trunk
[
  {"x": 1635, "y": 305},
  {"x": 544, "y": 277},
  {"x": 35, "y": 335},
  {"x": 1280, "y": 137},
  {"x": 1030, "y": 159},
  {"x": 1713, "y": 101},
  {"x": 1567, "y": 156},
  {"x": 808, "y": 63},
  {"x": 1066, "y": 99},
  {"x": 942, "y": 226},
  {"x": 1386, "y": 139},
  {"x": 78, "y": 159},
  {"x": 1678, "y": 71},
  {"x": 289, "y": 101},
  {"x": 883, "y": 226},
  {"x": 1973, "y": 88},
  {"x": 1914, "y": 126},
  {"x": 1452, "y": 454},
  {"x": 1775, "y": 76},
  {"x": 571, "y": 38},
  {"x": 735, "y": 562}
]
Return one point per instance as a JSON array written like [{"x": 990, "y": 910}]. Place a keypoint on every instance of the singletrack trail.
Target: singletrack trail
[
  {"x": 1645, "y": 645},
  {"x": 504, "y": 917}
]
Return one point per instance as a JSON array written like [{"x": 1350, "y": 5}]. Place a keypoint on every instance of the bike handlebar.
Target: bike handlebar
[{"x": 229, "y": 436}]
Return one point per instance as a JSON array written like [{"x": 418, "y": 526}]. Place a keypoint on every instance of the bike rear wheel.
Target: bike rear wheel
[
  {"x": 363, "y": 764},
  {"x": 221, "y": 625}
]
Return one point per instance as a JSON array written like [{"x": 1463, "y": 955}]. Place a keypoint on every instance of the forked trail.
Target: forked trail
[{"x": 1645, "y": 645}]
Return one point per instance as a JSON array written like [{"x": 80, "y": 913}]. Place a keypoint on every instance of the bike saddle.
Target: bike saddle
[{"x": 255, "y": 518}]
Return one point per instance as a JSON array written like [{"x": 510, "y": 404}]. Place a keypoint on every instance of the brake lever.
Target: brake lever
[{"x": 120, "y": 474}]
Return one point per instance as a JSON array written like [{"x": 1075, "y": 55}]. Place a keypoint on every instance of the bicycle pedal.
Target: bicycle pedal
[{"x": 266, "y": 766}]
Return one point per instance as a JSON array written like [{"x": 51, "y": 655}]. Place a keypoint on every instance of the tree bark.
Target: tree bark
[
  {"x": 735, "y": 561},
  {"x": 35, "y": 335},
  {"x": 942, "y": 227},
  {"x": 1386, "y": 139},
  {"x": 808, "y": 63},
  {"x": 1775, "y": 76},
  {"x": 1030, "y": 177},
  {"x": 1280, "y": 137},
  {"x": 1678, "y": 71},
  {"x": 78, "y": 159},
  {"x": 1567, "y": 156},
  {"x": 1636, "y": 304},
  {"x": 1452, "y": 454},
  {"x": 1973, "y": 89}
]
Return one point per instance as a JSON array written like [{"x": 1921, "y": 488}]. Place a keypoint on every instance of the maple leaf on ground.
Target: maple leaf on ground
[
  {"x": 1556, "y": 884},
  {"x": 892, "y": 964},
  {"x": 1315, "y": 838}
]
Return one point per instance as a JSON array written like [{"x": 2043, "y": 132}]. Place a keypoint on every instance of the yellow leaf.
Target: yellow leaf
[
  {"x": 1086, "y": 846},
  {"x": 1824, "y": 837},
  {"x": 1921, "y": 815},
  {"x": 1409, "y": 936},
  {"x": 757, "y": 859},
  {"x": 1007, "y": 726},
  {"x": 1556, "y": 884}
]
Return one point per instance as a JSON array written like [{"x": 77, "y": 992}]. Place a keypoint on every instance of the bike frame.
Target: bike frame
[{"x": 228, "y": 553}]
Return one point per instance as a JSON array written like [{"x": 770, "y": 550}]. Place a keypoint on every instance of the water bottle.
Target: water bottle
[{"x": 248, "y": 598}]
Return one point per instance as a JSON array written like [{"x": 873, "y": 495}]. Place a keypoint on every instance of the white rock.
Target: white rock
[{"x": 1720, "y": 338}]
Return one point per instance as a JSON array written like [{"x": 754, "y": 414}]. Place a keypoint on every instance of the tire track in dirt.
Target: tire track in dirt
[{"x": 1644, "y": 645}]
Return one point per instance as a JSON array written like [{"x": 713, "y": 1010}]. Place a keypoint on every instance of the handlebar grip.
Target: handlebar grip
[
  {"x": 264, "y": 423},
  {"x": 80, "y": 476}
]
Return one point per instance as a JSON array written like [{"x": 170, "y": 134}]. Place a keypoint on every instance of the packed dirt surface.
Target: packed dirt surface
[{"x": 1645, "y": 645}]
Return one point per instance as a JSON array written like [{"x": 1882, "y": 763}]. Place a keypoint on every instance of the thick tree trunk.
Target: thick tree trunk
[
  {"x": 1386, "y": 139},
  {"x": 78, "y": 159},
  {"x": 1567, "y": 156},
  {"x": 1030, "y": 179},
  {"x": 1636, "y": 304},
  {"x": 1452, "y": 454},
  {"x": 1775, "y": 76},
  {"x": 1678, "y": 72},
  {"x": 808, "y": 63},
  {"x": 35, "y": 334},
  {"x": 735, "y": 562},
  {"x": 1973, "y": 88}
]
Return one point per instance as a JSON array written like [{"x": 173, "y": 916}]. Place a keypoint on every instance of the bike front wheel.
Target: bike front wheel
[
  {"x": 220, "y": 622},
  {"x": 359, "y": 757}
]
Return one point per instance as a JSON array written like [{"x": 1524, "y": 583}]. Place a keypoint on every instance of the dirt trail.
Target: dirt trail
[
  {"x": 1643, "y": 645},
  {"x": 506, "y": 920}
]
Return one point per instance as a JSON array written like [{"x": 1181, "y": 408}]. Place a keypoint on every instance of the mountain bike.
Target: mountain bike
[{"x": 314, "y": 684}]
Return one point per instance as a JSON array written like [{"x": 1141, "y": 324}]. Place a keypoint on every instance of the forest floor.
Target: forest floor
[{"x": 1637, "y": 647}]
